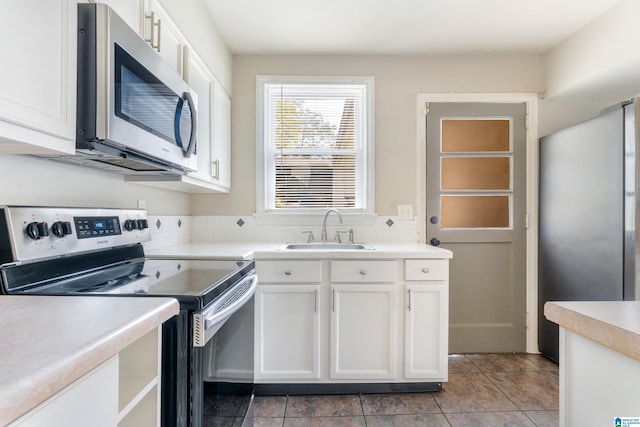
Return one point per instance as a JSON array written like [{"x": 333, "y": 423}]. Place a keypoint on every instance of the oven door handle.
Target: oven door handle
[{"x": 209, "y": 320}]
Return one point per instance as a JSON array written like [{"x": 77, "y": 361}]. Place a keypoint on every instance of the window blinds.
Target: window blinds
[{"x": 315, "y": 145}]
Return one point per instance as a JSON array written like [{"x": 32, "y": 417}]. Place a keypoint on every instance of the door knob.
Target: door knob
[{"x": 434, "y": 242}]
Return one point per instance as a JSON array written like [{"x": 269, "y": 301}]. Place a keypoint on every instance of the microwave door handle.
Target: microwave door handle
[{"x": 194, "y": 125}]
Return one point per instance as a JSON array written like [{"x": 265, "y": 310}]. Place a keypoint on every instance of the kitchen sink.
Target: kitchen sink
[{"x": 328, "y": 246}]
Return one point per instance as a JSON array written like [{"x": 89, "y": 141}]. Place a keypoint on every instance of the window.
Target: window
[{"x": 314, "y": 137}]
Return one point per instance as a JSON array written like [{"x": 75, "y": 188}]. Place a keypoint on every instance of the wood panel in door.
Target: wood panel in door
[{"x": 476, "y": 197}]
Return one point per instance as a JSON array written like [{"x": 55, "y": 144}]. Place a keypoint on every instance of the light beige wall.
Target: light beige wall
[
  {"x": 398, "y": 80},
  {"x": 601, "y": 61},
  {"x": 558, "y": 113}
]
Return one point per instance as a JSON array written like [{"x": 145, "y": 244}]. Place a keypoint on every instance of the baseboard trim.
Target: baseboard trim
[{"x": 344, "y": 388}]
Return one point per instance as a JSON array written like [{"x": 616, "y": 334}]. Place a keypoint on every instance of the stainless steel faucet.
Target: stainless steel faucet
[{"x": 323, "y": 237}]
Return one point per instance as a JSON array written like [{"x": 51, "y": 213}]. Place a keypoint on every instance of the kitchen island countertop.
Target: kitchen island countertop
[
  {"x": 614, "y": 324},
  {"x": 599, "y": 344},
  {"x": 248, "y": 250},
  {"x": 48, "y": 342}
]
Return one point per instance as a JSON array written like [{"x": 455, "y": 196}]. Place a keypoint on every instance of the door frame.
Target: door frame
[{"x": 531, "y": 101}]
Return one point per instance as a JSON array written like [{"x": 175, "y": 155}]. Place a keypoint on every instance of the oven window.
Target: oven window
[{"x": 143, "y": 100}]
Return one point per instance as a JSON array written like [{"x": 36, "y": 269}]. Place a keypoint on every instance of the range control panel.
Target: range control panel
[
  {"x": 88, "y": 227},
  {"x": 30, "y": 233}
]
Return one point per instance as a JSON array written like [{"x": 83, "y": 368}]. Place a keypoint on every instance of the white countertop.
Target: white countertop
[
  {"x": 275, "y": 250},
  {"x": 48, "y": 342},
  {"x": 614, "y": 324}
]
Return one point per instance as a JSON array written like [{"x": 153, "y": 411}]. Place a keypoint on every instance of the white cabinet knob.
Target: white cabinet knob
[
  {"x": 425, "y": 270},
  {"x": 287, "y": 273},
  {"x": 363, "y": 272}
]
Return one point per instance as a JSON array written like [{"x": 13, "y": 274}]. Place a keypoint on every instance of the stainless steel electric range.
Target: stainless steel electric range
[{"x": 206, "y": 350}]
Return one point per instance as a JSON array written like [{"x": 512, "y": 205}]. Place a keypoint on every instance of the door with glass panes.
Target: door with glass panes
[{"x": 476, "y": 197}]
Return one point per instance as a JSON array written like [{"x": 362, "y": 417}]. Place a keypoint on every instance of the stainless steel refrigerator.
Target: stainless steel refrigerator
[{"x": 587, "y": 218}]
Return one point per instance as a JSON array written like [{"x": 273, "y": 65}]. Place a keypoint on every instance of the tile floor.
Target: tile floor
[{"x": 483, "y": 390}]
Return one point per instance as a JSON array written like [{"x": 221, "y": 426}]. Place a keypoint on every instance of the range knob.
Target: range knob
[
  {"x": 130, "y": 224},
  {"x": 142, "y": 224},
  {"x": 61, "y": 229},
  {"x": 37, "y": 230}
]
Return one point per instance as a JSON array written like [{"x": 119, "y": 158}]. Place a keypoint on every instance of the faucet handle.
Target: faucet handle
[
  {"x": 310, "y": 238},
  {"x": 338, "y": 235}
]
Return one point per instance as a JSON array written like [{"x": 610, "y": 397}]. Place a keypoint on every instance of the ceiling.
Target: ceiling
[{"x": 400, "y": 27}]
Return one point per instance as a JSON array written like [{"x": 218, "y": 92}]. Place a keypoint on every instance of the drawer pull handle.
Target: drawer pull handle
[
  {"x": 363, "y": 272},
  {"x": 287, "y": 273},
  {"x": 425, "y": 270}
]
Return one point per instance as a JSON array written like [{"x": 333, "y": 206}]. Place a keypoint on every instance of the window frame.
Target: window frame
[{"x": 300, "y": 215}]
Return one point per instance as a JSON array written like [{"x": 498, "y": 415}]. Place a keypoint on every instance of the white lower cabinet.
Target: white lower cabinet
[
  {"x": 288, "y": 338},
  {"x": 363, "y": 332},
  {"x": 425, "y": 332},
  {"x": 139, "y": 381},
  {"x": 90, "y": 401},
  {"x": 123, "y": 391},
  {"x": 351, "y": 321}
]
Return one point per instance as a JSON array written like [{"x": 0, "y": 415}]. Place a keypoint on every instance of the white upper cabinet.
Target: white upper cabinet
[
  {"x": 37, "y": 76},
  {"x": 214, "y": 122},
  {"x": 200, "y": 80},
  {"x": 221, "y": 143},
  {"x": 163, "y": 35},
  {"x": 131, "y": 11}
]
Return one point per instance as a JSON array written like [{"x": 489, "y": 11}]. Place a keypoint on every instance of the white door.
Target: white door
[{"x": 476, "y": 204}]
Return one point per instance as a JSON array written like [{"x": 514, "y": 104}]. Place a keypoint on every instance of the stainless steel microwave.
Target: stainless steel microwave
[{"x": 135, "y": 114}]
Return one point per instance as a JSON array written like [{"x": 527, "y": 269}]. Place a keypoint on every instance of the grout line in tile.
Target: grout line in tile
[{"x": 501, "y": 391}]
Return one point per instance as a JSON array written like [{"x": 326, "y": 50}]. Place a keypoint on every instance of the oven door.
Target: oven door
[
  {"x": 223, "y": 349},
  {"x": 208, "y": 321}
]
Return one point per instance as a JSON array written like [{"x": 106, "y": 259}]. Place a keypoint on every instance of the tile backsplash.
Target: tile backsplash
[
  {"x": 168, "y": 230},
  {"x": 244, "y": 229},
  {"x": 175, "y": 230}
]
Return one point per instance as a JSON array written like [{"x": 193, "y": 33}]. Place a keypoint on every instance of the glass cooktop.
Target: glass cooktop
[{"x": 193, "y": 281}]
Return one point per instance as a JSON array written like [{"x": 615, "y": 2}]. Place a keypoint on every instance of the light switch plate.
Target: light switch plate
[{"x": 405, "y": 212}]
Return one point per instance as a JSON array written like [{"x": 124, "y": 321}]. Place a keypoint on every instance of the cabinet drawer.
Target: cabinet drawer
[
  {"x": 363, "y": 271},
  {"x": 289, "y": 271},
  {"x": 425, "y": 269}
]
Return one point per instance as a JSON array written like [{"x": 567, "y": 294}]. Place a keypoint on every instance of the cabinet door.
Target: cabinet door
[
  {"x": 287, "y": 331},
  {"x": 131, "y": 11},
  {"x": 363, "y": 332},
  {"x": 221, "y": 146},
  {"x": 164, "y": 36},
  {"x": 198, "y": 77},
  {"x": 426, "y": 340},
  {"x": 38, "y": 76}
]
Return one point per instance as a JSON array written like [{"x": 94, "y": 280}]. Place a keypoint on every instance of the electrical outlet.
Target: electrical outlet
[
  {"x": 405, "y": 212},
  {"x": 142, "y": 204}
]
